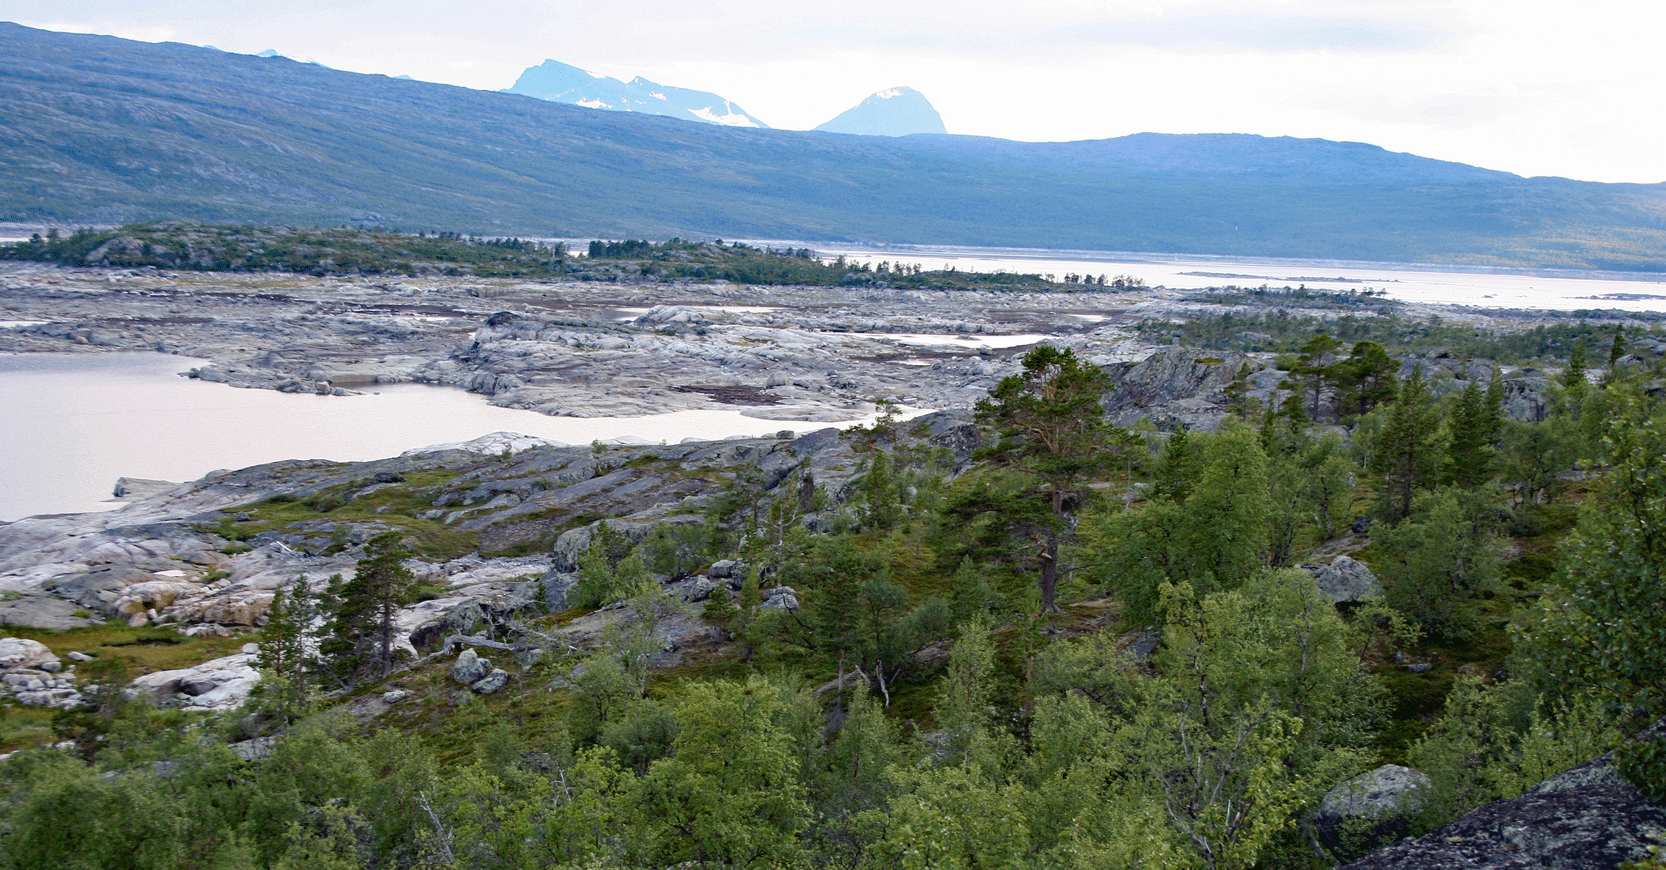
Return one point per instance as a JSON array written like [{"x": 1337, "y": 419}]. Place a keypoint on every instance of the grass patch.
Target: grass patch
[
  {"x": 145, "y": 650},
  {"x": 394, "y": 506},
  {"x": 22, "y": 727}
]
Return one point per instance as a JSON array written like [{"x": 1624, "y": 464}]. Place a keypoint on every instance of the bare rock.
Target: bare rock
[
  {"x": 1346, "y": 580},
  {"x": 470, "y": 668},
  {"x": 1173, "y": 385},
  {"x": 1586, "y": 820},
  {"x": 1369, "y": 809},
  {"x": 780, "y": 598},
  {"x": 41, "y": 611},
  {"x": 217, "y": 684},
  {"x": 493, "y": 681},
  {"x": 20, "y": 652}
]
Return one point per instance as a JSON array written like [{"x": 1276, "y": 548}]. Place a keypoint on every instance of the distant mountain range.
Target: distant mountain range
[
  {"x": 561, "y": 83},
  {"x": 98, "y": 130},
  {"x": 891, "y": 112}
]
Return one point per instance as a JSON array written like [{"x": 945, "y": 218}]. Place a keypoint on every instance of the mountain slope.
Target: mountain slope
[
  {"x": 102, "y": 130},
  {"x": 561, "y": 83},
  {"x": 891, "y": 112}
]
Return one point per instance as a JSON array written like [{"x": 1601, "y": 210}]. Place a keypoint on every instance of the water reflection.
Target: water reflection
[{"x": 74, "y": 423}]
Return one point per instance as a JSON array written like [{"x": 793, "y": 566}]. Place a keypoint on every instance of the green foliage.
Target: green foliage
[
  {"x": 286, "y": 659},
  {"x": 1437, "y": 563},
  {"x": 1049, "y": 428},
  {"x": 359, "y": 632},
  {"x": 1406, "y": 451},
  {"x": 1267, "y": 324},
  {"x": 1215, "y": 539},
  {"x": 1493, "y": 742},
  {"x": 731, "y": 794}
]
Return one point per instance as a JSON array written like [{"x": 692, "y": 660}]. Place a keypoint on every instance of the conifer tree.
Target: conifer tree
[
  {"x": 1405, "y": 454},
  {"x": 358, "y": 642},
  {"x": 1049, "y": 428},
  {"x": 286, "y": 659}
]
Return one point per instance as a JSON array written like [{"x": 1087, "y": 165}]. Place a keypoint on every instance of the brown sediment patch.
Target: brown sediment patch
[{"x": 733, "y": 395}]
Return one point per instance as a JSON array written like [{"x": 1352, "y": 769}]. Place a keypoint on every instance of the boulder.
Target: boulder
[
  {"x": 697, "y": 589},
  {"x": 497, "y": 679},
  {"x": 780, "y": 598},
  {"x": 574, "y": 542},
  {"x": 217, "y": 684},
  {"x": 470, "y": 668},
  {"x": 1346, "y": 580},
  {"x": 1175, "y": 384},
  {"x": 1369, "y": 809},
  {"x": 1585, "y": 819},
  {"x": 20, "y": 652}
]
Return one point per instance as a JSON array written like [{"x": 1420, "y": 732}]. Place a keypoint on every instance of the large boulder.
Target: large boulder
[
  {"x": 20, "y": 652},
  {"x": 1346, "y": 580},
  {"x": 1370, "y": 809},
  {"x": 217, "y": 684},
  {"x": 1175, "y": 385},
  {"x": 493, "y": 681},
  {"x": 470, "y": 668}
]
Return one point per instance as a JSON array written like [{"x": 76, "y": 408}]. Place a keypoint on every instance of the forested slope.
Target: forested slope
[{"x": 845, "y": 658}]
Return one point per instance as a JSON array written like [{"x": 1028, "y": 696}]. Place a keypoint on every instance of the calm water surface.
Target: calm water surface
[
  {"x": 71, "y": 424},
  {"x": 1559, "y": 291}
]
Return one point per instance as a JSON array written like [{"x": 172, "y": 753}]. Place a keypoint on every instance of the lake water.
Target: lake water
[
  {"x": 1549, "y": 290},
  {"x": 71, "y": 424}
]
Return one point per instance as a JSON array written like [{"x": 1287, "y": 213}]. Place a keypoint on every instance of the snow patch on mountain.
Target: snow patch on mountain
[{"x": 562, "y": 83}]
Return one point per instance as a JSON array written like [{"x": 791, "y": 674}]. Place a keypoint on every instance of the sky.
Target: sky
[{"x": 1572, "y": 90}]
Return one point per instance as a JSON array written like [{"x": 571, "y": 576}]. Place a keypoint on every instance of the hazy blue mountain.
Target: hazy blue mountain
[
  {"x": 99, "y": 130},
  {"x": 891, "y": 112},
  {"x": 562, "y": 83}
]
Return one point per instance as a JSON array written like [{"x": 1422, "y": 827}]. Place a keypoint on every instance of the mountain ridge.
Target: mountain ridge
[
  {"x": 103, "y": 130},
  {"x": 558, "y": 82},
  {"x": 898, "y": 111}
]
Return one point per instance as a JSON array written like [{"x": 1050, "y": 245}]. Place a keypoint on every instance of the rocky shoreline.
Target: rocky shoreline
[{"x": 194, "y": 557}]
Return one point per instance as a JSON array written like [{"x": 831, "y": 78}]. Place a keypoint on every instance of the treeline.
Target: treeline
[
  {"x": 343, "y": 251},
  {"x": 1089, "y": 648},
  {"x": 1279, "y": 330}
]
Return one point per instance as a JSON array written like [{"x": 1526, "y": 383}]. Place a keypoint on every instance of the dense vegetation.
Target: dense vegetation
[
  {"x": 102, "y": 131},
  {"x": 1513, "y": 641},
  {"x": 1276, "y": 320},
  {"x": 343, "y": 251}
]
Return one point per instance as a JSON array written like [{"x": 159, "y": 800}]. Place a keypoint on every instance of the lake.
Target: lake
[
  {"x": 74, "y": 423},
  {"x": 1483, "y": 288}
]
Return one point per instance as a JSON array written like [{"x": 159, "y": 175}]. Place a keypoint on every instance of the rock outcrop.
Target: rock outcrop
[
  {"x": 1346, "y": 580},
  {"x": 1586, "y": 819},
  {"x": 34, "y": 676},
  {"x": 217, "y": 684},
  {"x": 1174, "y": 386},
  {"x": 1370, "y": 809}
]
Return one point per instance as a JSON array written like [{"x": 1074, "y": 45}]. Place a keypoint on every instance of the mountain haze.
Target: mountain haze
[
  {"x": 562, "y": 83},
  {"x": 103, "y": 130},
  {"x": 891, "y": 112}
]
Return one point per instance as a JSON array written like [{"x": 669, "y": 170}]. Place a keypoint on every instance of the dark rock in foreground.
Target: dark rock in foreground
[{"x": 1586, "y": 818}]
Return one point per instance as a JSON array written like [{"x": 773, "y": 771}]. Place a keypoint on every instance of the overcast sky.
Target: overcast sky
[{"x": 1570, "y": 89}]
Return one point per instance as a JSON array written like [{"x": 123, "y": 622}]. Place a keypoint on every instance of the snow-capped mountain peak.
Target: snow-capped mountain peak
[
  {"x": 563, "y": 83},
  {"x": 892, "y": 112}
]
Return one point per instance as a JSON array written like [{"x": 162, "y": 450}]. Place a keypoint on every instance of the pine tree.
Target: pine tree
[
  {"x": 358, "y": 643},
  {"x": 1405, "y": 454},
  {"x": 1050, "y": 428},
  {"x": 286, "y": 660}
]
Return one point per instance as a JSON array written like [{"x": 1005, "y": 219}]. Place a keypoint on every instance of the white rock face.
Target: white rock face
[
  {"x": 218, "y": 684},
  {"x": 19, "y": 652}
]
